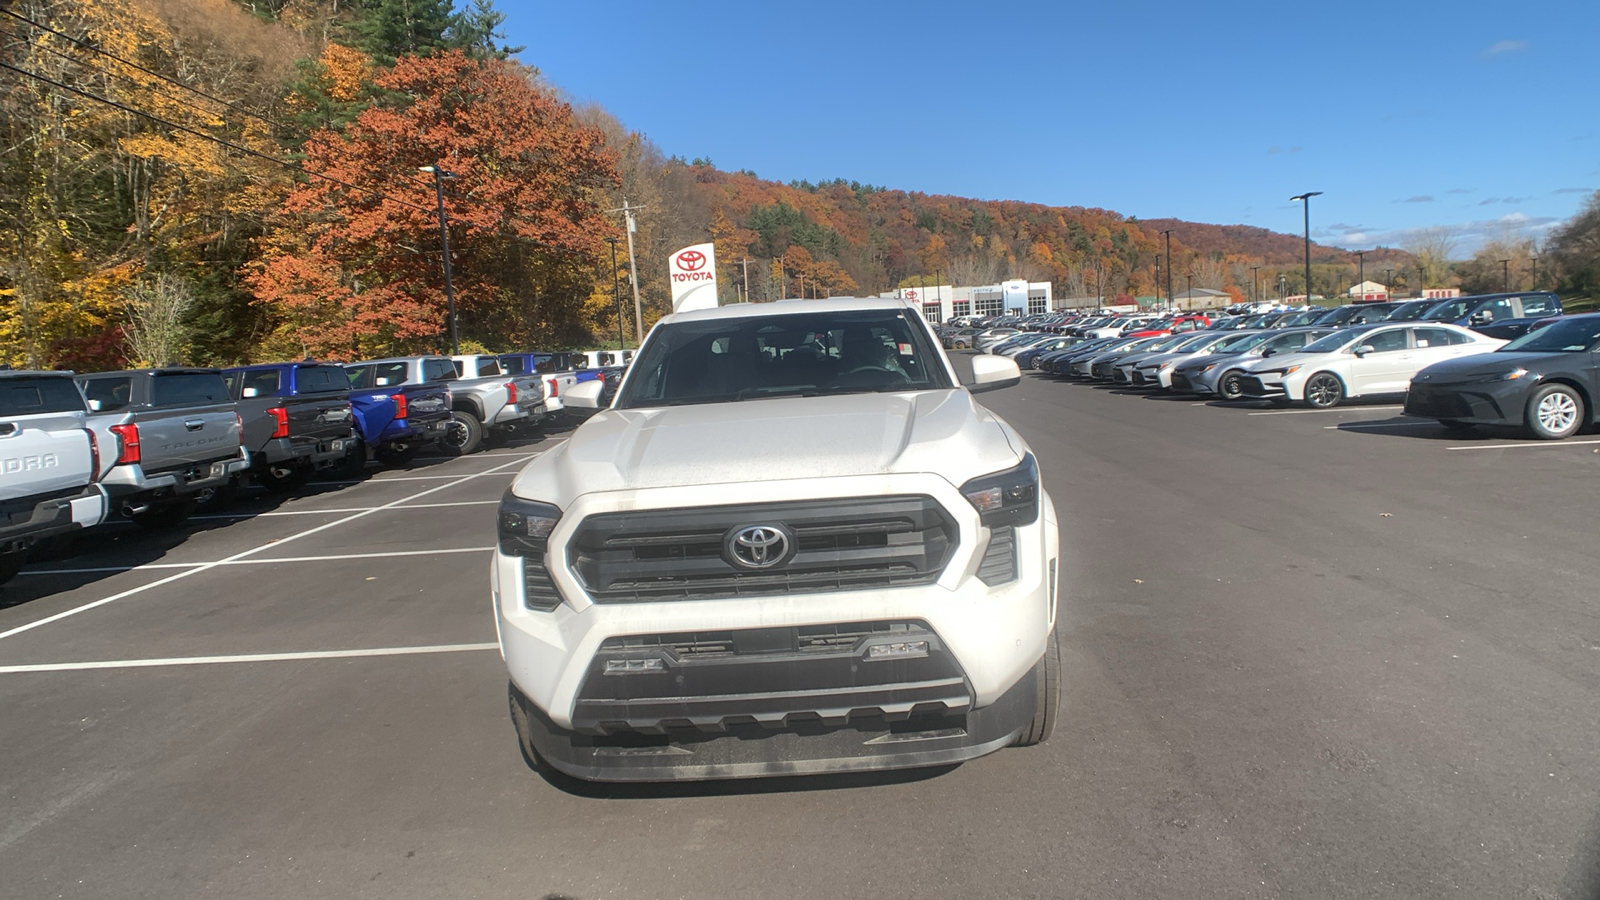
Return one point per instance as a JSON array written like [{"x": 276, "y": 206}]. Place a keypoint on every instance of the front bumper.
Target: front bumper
[
  {"x": 1481, "y": 403},
  {"x": 786, "y": 709},
  {"x": 1263, "y": 387}
]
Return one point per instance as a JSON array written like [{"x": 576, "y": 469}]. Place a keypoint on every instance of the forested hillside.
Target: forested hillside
[{"x": 218, "y": 181}]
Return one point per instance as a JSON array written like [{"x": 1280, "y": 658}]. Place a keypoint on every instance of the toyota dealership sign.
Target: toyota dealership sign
[{"x": 693, "y": 273}]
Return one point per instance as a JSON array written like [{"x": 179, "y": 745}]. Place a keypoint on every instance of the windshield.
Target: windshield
[
  {"x": 1448, "y": 311},
  {"x": 1408, "y": 312},
  {"x": 1562, "y": 336},
  {"x": 1334, "y": 341},
  {"x": 794, "y": 354},
  {"x": 1241, "y": 343}
]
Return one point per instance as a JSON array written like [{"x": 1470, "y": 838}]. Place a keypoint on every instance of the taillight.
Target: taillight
[
  {"x": 511, "y": 393},
  {"x": 400, "y": 406},
  {"x": 94, "y": 455},
  {"x": 128, "y": 438},
  {"x": 553, "y": 387},
  {"x": 281, "y": 430}
]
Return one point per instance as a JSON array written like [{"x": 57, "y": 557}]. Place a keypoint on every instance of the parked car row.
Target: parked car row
[
  {"x": 1459, "y": 372},
  {"x": 150, "y": 445}
]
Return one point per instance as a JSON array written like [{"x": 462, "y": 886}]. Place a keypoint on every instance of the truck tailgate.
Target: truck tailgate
[
  {"x": 43, "y": 454},
  {"x": 185, "y": 436}
]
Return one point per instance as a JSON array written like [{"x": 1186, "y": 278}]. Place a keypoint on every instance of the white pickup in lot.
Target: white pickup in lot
[
  {"x": 49, "y": 464},
  {"x": 794, "y": 544}
]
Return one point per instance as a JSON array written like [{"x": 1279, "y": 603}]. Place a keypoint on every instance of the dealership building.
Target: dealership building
[{"x": 942, "y": 302}]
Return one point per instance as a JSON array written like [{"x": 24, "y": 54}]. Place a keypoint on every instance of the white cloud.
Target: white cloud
[{"x": 1499, "y": 47}]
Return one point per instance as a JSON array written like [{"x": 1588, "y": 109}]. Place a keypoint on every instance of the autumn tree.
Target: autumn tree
[
  {"x": 1574, "y": 250},
  {"x": 1432, "y": 248},
  {"x": 353, "y": 266}
]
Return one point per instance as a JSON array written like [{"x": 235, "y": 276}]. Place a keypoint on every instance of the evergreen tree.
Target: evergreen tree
[{"x": 388, "y": 29}]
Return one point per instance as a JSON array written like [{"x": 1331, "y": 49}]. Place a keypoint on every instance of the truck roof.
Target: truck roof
[
  {"x": 33, "y": 373},
  {"x": 158, "y": 370},
  {"x": 787, "y": 307}
]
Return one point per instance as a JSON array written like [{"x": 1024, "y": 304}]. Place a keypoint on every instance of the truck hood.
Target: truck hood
[{"x": 944, "y": 432}]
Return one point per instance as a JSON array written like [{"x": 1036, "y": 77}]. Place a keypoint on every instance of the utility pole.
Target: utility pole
[
  {"x": 1361, "y": 273},
  {"x": 1306, "y": 199},
  {"x": 1505, "y": 275},
  {"x": 439, "y": 175},
  {"x": 1255, "y": 285},
  {"x": 616, "y": 295},
  {"x": 1168, "y": 235},
  {"x": 1534, "y": 261},
  {"x": 1388, "y": 289},
  {"x": 783, "y": 279},
  {"x": 1157, "y": 304},
  {"x": 627, "y": 211},
  {"x": 744, "y": 266},
  {"x": 1190, "y": 290}
]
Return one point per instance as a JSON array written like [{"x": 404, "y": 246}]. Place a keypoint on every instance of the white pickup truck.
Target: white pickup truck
[
  {"x": 49, "y": 464},
  {"x": 794, "y": 543}
]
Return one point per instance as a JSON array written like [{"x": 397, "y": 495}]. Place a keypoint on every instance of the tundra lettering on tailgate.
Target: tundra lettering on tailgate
[{"x": 29, "y": 463}]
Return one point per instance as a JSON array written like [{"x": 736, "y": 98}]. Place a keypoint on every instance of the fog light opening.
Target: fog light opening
[
  {"x": 634, "y": 666},
  {"x": 898, "y": 650}
]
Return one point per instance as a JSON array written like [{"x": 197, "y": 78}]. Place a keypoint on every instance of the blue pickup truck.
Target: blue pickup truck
[{"x": 395, "y": 419}]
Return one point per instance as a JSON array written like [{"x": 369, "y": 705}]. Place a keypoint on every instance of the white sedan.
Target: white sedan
[{"x": 1360, "y": 362}]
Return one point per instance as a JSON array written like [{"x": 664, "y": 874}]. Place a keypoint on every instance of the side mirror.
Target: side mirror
[
  {"x": 991, "y": 373},
  {"x": 1268, "y": 352},
  {"x": 586, "y": 395},
  {"x": 251, "y": 392},
  {"x": 1362, "y": 350}
]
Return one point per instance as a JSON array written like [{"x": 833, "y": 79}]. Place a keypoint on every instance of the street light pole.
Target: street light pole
[
  {"x": 1534, "y": 261},
  {"x": 1306, "y": 199},
  {"x": 1189, "y": 291},
  {"x": 616, "y": 295},
  {"x": 439, "y": 175},
  {"x": 1361, "y": 272},
  {"x": 1255, "y": 284},
  {"x": 1167, "y": 235}
]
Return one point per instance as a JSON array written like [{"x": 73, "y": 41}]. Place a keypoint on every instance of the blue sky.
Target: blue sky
[{"x": 1472, "y": 114}]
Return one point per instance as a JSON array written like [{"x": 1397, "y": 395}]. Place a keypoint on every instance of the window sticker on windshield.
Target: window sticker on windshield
[{"x": 905, "y": 349}]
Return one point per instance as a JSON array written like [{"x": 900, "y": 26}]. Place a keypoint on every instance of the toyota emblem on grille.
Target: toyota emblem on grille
[{"x": 758, "y": 546}]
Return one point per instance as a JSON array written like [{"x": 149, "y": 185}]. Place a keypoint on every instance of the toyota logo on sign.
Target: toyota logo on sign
[
  {"x": 691, "y": 260},
  {"x": 911, "y": 295}
]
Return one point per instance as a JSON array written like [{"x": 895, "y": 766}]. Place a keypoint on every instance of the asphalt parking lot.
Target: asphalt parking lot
[{"x": 1307, "y": 654}]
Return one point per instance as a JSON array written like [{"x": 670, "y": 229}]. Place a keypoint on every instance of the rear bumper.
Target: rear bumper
[
  {"x": 305, "y": 450},
  {"x": 521, "y": 414},
  {"x": 55, "y": 516},
  {"x": 130, "y": 479},
  {"x": 877, "y": 742}
]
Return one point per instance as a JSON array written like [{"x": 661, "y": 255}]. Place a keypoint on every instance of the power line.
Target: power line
[
  {"x": 92, "y": 48},
  {"x": 272, "y": 159}
]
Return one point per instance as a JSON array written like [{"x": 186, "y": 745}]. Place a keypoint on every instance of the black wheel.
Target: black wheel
[
  {"x": 354, "y": 464},
  {"x": 1555, "y": 411},
  {"x": 519, "y": 721},
  {"x": 1231, "y": 385},
  {"x": 282, "y": 478},
  {"x": 165, "y": 514},
  {"x": 1047, "y": 705},
  {"x": 395, "y": 453},
  {"x": 1456, "y": 425},
  {"x": 463, "y": 435},
  {"x": 11, "y": 563},
  {"x": 1324, "y": 390}
]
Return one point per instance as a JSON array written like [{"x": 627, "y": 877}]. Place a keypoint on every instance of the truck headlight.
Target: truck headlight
[
  {"x": 524, "y": 526},
  {"x": 1005, "y": 498}
]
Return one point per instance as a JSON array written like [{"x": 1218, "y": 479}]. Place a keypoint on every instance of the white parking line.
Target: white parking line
[
  {"x": 257, "y": 562},
  {"x": 245, "y": 658},
  {"x": 1527, "y": 446},
  {"x": 244, "y": 553},
  {"x": 1336, "y": 409},
  {"x": 347, "y": 509},
  {"x": 1376, "y": 425}
]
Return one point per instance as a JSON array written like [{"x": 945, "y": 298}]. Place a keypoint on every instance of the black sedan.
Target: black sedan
[{"x": 1547, "y": 381}]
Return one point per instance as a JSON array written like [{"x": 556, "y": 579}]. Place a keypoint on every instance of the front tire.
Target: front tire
[
  {"x": 1324, "y": 390},
  {"x": 1047, "y": 701},
  {"x": 1555, "y": 411},
  {"x": 1231, "y": 385}
]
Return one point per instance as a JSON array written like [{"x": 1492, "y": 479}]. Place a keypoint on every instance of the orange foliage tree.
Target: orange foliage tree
[{"x": 352, "y": 266}]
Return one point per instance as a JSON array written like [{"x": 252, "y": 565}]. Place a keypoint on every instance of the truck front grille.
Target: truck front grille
[{"x": 841, "y": 544}]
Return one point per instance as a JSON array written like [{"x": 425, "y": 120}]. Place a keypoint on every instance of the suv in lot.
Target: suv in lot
[{"x": 794, "y": 544}]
